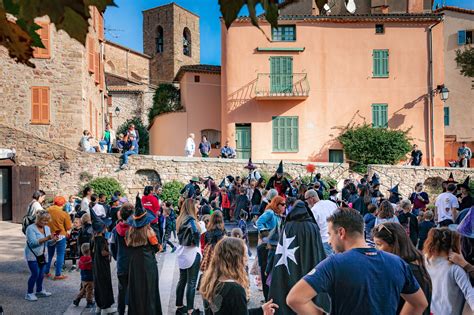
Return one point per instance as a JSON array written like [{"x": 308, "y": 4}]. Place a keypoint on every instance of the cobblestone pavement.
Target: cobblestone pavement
[{"x": 14, "y": 274}]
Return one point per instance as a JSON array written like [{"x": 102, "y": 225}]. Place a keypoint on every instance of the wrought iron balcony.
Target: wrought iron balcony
[{"x": 272, "y": 86}]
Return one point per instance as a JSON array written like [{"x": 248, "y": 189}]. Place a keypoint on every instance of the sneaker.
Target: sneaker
[
  {"x": 173, "y": 249},
  {"x": 109, "y": 310},
  {"x": 73, "y": 267},
  {"x": 61, "y": 277},
  {"x": 90, "y": 305},
  {"x": 47, "y": 275},
  {"x": 31, "y": 297},
  {"x": 76, "y": 302},
  {"x": 43, "y": 293}
]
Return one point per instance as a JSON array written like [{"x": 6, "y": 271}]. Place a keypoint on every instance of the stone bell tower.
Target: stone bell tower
[{"x": 171, "y": 38}]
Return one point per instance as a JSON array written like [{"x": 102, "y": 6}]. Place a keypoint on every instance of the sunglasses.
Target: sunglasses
[
  {"x": 281, "y": 204},
  {"x": 382, "y": 226}
]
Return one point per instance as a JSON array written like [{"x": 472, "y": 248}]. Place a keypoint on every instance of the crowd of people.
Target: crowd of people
[{"x": 359, "y": 250}]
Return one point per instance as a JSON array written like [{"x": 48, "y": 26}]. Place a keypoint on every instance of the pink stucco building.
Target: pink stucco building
[{"x": 288, "y": 92}]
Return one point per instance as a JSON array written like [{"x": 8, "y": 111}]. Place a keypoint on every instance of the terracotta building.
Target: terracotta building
[
  {"x": 64, "y": 94},
  {"x": 458, "y": 33}
]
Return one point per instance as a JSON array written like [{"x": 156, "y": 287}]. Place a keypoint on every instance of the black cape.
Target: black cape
[
  {"x": 143, "y": 283},
  {"x": 103, "y": 292},
  {"x": 303, "y": 251}
]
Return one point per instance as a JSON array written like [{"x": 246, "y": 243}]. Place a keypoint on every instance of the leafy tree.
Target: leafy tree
[
  {"x": 166, "y": 99},
  {"x": 18, "y": 34},
  {"x": 143, "y": 145},
  {"x": 364, "y": 145},
  {"x": 172, "y": 191},
  {"x": 104, "y": 185},
  {"x": 465, "y": 60}
]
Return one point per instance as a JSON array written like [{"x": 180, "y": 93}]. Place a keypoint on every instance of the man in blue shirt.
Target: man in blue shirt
[
  {"x": 359, "y": 279},
  {"x": 227, "y": 152},
  {"x": 132, "y": 149}
]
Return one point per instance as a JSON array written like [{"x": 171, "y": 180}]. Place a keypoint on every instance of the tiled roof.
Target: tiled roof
[
  {"x": 197, "y": 68},
  {"x": 127, "y": 88},
  {"x": 393, "y": 17},
  {"x": 455, "y": 9}
]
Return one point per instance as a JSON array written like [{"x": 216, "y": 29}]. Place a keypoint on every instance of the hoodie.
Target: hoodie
[
  {"x": 119, "y": 248},
  {"x": 85, "y": 265}
]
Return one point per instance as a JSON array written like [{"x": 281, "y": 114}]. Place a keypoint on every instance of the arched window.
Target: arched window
[
  {"x": 187, "y": 42},
  {"x": 110, "y": 67},
  {"x": 159, "y": 40}
]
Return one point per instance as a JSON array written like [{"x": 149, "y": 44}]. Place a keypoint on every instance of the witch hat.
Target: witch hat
[
  {"x": 450, "y": 179},
  {"x": 394, "y": 190},
  {"x": 466, "y": 227},
  {"x": 375, "y": 180},
  {"x": 141, "y": 216},
  {"x": 250, "y": 165},
  {"x": 465, "y": 184},
  {"x": 280, "y": 168},
  {"x": 222, "y": 184},
  {"x": 98, "y": 223}
]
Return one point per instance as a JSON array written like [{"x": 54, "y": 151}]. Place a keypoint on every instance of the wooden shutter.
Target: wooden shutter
[
  {"x": 379, "y": 115},
  {"x": 91, "y": 54},
  {"x": 101, "y": 75},
  {"x": 40, "y": 105},
  {"x": 44, "y": 33},
  {"x": 462, "y": 37},
  {"x": 380, "y": 63},
  {"x": 100, "y": 26},
  {"x": 285, "y": 134},
  {"x": 110, "y": 120},
  {"x": 281, "y": 74},
  {"x": 446, "y": 116},
  {"x": 97, "y": 67}
]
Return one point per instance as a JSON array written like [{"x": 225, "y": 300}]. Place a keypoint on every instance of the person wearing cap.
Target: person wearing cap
[
  {"x": 464, "y": 197},
  {"x": 279, "y": 182},
  {"x": 143, "y": 282},
  {"x": 189, "y": 191},
  {"x": 446, "y": 206},
  {"x": 103, "y": 292},
  {"x": 59, "y": 225}
]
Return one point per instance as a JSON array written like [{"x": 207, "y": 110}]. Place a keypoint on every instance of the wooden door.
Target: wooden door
[
  {"x": 5, "y": 194},
  {"x": 25, "y": 181},
  {"x": 243, "y": 141}
]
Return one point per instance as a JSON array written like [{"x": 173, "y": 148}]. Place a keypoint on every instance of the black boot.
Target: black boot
[
  {"x": 196, "y": 312},
  {"x": 181, "y": 310}
]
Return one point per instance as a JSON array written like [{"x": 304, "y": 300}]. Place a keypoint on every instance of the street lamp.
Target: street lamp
[
  {"x": 443, "y": 92},
  {"x": 117, "y": 111}
]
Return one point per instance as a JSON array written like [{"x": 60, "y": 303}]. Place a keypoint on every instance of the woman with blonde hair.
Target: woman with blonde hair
[
  {"x": 189, "y": 256},
  {"x": 225, "y": 286}
]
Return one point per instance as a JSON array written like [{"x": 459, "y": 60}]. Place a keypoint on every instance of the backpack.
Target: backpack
[{"x": 28, "y": 219}]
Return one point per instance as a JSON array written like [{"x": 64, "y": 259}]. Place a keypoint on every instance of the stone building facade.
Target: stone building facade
[
  {"x": 64, "y": 94},
  {"x": 171, "y": 38}
]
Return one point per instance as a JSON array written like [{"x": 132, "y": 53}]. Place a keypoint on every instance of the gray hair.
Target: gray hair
[
  {"x": 311, "y": 194},
  {"x": 405, "y": 203},
  {"x": 272, "y": 193},
  {"x": 42, "y": 214}
]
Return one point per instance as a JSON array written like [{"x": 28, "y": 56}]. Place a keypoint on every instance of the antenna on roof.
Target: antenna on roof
[{"x": 111, "y": 31}]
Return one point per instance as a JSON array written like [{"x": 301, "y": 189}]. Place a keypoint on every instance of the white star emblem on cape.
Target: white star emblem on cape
[{"x": 285, "y": 252}]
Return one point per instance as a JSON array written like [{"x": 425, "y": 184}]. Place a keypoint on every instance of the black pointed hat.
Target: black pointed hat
[
  {"x": 465, "y": 184},
  {"x": 375, "y": 180},
  {"x": 250, "y": 165},
  {"x": 280, "y": 168},
  {"x": 394, "y": 190},
  {"x": 98, "y": 223},
  {"x": 141, "y": 216},
  {"x": 222, "y": 184},
  {"x": 450, "y": 179}
]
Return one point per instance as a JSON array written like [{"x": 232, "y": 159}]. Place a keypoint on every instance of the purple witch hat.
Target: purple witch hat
[{"x": 466, "y": 227}]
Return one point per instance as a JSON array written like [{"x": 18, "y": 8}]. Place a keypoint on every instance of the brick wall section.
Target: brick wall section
[
  {"x": 70, "y": 85},
  {"x": 126, "y": 63},
  {"x": 60, "y": 166},
  {"x": 131, "y": 105}
]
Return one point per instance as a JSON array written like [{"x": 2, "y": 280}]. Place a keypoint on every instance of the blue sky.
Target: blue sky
[{"x": 124, "y": 24}]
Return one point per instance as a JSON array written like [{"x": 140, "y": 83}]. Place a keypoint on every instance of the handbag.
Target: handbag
[{"x": 40, "y": 259}]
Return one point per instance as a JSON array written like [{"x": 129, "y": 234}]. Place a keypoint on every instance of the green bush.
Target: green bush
[
  {"x": 105, "y": 185},
  {"x": 172, "y": 191},
  {"x": 166, "y": 99},
  {"x": 143, "y": 145},
  {"x": 364, "y": 145}
]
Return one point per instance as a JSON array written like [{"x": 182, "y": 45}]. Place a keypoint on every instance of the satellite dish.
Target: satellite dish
[{"x": 350, "y": 6}]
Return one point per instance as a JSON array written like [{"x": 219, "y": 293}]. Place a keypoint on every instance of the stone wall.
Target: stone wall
[
  {"x": 71, "y": 87},
  {"x": 61, "y": 167},
  {"x": 126, "y": 63},
  {"x": 408, "y": 176},
  {"x": 131, "y": 104}
]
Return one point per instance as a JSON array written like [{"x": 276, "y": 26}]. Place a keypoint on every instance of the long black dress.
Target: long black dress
[
  {"x": 143, "y": 284},
  {"x": 103, "y": 292}
]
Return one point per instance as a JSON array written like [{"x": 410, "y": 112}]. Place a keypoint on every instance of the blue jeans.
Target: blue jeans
[
  {"x": 126, "y": 155},
  {"x": 188, "y": 280},
  {"x": 60, "y": 248},
  {"x": 37, "y": 275},
  {"x": 107, "y": 143},
  {"x": 327, "y": 249}
]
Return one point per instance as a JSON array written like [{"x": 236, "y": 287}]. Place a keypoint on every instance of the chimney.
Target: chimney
[{"x": 415, "y": 6}]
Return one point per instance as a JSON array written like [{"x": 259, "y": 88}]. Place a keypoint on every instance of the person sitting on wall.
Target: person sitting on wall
[
  {"x": 86, "y": 144},
  {"x": 108, "y": 139},
  {"x": 132, "y": 149},
  {"x": 227, "y": 152}
]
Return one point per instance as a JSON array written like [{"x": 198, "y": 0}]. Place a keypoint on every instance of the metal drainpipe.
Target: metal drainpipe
[{"x": 430, "y": 90}]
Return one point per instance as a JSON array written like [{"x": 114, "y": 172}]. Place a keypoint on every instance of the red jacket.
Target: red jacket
[
  {"x": 85, "y": 263},
  {"x": 151, "y": 203}
]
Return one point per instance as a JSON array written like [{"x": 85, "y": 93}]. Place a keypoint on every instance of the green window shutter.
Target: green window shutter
[
  {"x": 446, "y": 116},
  {"x": 281, "y": 74},
  {"x": 275, "y": 133},
  {"x": 285, "y": 134},
  {"x": 380, "y": 63},
  {"x": 379, "y": 115}
]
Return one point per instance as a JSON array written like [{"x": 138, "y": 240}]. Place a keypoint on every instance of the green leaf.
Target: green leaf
[
  {"x": 230, "y": 10},
  {"x": 11, "y": 7},
  {"x": 271, "y": 12}
]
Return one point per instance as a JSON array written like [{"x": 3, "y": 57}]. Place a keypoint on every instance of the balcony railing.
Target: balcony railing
[{"x": 282, "y": 86}]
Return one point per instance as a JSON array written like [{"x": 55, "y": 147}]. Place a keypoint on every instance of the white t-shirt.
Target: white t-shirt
[
  {"x": 321, "y": 211},
  {"x": 85, "y": 144},
  {"x": 444, "y": 203},
  {"x": 85, "y": 204},
  {"x": 190, "y": 146},
  {"x": 99, "y": 210},
  {"x": 35, "y": 207}
]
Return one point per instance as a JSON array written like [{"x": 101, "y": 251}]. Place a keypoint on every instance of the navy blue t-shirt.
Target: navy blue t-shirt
[{"x": 363, "y": 281}]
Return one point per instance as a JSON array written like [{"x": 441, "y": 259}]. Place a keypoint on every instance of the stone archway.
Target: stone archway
[{"x": 146, "y": 177}]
